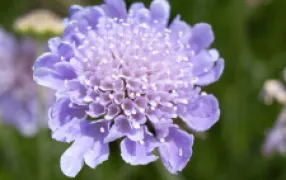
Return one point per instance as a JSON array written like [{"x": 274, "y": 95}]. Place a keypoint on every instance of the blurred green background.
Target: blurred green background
[{"x": 250, "y": 35}]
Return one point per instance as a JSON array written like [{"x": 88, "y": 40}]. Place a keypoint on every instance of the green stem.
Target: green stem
[{"x": 43, "y": 140}]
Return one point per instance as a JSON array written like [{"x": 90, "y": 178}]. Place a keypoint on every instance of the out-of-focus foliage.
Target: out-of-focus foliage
[{"x": 251, "y": 36}]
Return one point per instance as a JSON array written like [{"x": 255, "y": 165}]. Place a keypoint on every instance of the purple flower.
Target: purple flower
[
  {"x": 131, "y": 75},
  {"x": 275, "y": 139},
  {"x": 18, "y": 102}
]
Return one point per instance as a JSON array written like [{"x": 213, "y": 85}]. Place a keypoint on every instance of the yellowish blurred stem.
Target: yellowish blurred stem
[
  {"x": 43, "y": 140},
  {"x": 42, "y": 144}
]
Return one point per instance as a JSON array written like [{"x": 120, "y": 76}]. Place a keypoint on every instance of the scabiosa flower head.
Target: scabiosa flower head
[
  {"x": 131, "y": 75},
  {"x": 18, "y": 104}
]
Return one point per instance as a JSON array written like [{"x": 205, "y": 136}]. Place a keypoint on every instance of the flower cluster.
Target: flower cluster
[
  {"x": 18, "y": 102},
  {"x": 276, "y": 137},
  {"x": 129, "y": 75}
]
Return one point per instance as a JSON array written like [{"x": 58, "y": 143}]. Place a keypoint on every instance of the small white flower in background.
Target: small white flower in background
[
  {"x": 40, "y": 22},
  {"x": 274, "y": 90}
]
